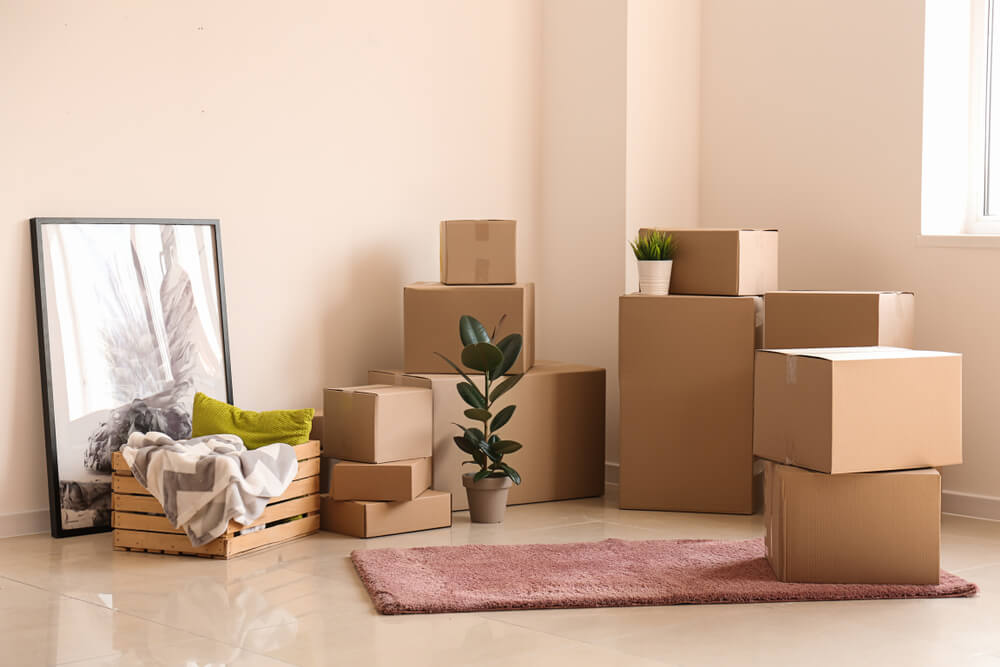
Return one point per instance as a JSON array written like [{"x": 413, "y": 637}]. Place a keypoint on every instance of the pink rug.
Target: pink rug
[{"x": 612, "y": 573}]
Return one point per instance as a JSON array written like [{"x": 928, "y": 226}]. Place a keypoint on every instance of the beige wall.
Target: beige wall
[
  {"x": 811, "y": 122},
  {"x": 329, "y": 137}
]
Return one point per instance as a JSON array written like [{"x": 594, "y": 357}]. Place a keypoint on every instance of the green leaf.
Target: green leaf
[
  {"x": 482, "y": 357},
  {"x": 478, "y": 414},
  {"x": 507, "y": 446},
  {"x": 480, "y": 458},
  {"x": 462, "y": 373},
  {"x": 472, "y": 331},
  {"x": 505, "y": 386},
  {"x": 473, "y": 435},
  {"x": 497, "y": 327},
  {"x": 493, "y": 438},
  {"x": 513, "y": 474},
  {"x": 502, "y": 417},
  {"x": 471, "y": 395},
  {"x": 482, "y": 474},
  {"x": 510, "y": 347},
  {"x": 465, "y": 445}
]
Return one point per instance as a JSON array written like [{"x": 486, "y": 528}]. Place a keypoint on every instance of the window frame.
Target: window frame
[{"x": 983, "y": 16}]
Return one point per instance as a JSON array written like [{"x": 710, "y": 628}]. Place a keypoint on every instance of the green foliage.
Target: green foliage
[
  {"x": 485, "y": 445},
  {"x": 654, "y": 245}
]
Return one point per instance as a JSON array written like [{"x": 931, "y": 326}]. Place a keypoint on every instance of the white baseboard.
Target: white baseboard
[
  {"x": 610, "y": 472},
  {"x": 24, "y": 523},
  {"x": 971, "y": 504}
]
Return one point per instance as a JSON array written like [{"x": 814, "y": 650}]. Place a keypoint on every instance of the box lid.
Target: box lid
[{"x": 860, "y": 353}]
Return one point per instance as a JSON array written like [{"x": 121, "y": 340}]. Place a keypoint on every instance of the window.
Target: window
[{"x": 984, "y": 152}]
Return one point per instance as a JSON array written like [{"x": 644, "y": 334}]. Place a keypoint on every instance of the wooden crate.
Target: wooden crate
[{"x": 140, "y": 524}]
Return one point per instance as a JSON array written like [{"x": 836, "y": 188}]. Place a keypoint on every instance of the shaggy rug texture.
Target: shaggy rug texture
[{"x": 611, "y": 573}]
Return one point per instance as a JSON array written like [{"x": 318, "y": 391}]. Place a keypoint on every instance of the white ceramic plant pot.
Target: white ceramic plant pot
[{"x": 654, "y": 276}]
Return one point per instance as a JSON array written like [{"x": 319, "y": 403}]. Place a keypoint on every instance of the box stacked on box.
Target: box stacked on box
[
  {"x": 686, "y": 375},
  {"x": 377, "y": 448},
  {"x": 853, "y": 436}
]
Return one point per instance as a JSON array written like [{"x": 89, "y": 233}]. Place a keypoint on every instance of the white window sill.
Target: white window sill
[{"x": 958, "y": 241}]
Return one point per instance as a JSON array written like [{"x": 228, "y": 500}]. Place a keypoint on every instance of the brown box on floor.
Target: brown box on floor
[
  {"x": 430, "y": 321},
  {"x": 686, "y": 391},
  {"x": 478, "y": 252},
  {"x": 725, "y": 262},
  {"x": 395, "y": 481},
  {"x": 858, "y": 409},
  {"x": 559, "y": 419},
  {"x": 377, "y": 423},
  {"x": 838, "y": 319},
  {"x": 362, "y": 518},
  {"x": 861, "y": 528}
]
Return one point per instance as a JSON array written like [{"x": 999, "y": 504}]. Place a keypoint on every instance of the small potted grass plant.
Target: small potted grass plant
[
  {"x": 486, "y": 488},
  {"x": 654, "y": 251}
]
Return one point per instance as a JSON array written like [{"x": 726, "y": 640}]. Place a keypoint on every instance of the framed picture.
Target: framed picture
[{"x": 131, "y": 323}]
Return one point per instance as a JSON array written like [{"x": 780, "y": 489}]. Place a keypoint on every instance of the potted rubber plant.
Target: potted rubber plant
[
  {"x": 654, "y": 251},
  {"x": 486, "y": 488}
]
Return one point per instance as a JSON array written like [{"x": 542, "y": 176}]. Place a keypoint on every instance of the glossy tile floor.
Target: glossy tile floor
[{"x": 77, "y": 602}]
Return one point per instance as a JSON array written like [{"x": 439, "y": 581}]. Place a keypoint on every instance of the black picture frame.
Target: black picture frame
[{"x": 45, "y": 353}]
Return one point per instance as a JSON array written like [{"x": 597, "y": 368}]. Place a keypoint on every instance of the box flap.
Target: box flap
[{"x": 860, "y": 353}]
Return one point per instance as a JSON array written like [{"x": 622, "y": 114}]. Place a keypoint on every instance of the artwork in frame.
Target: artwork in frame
[{"x": 131, "y": 323}]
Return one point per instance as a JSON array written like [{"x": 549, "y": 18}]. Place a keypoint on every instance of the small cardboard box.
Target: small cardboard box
[
  {"x": 398, "y": 480},
  {"x": 838, "y": 319},
  {"x": 686, "y": 390},
  {"x": 430, "y": 321},
  {"x": 363, "y": 518},
  {"x": 478, "y": 252},
  {"x": 862, "y": 528},
  {"x": 377, "y": 423},
  {"x": 559, "y": 419},
  {"x": 858, "y": 409},
  {"x": 726, "y": 262}
]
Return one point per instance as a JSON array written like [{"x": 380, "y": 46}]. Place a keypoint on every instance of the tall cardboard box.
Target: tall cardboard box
[
  {"x": 363, "y": 518},
  {"x": 862, "y": 528},
  {"x": 478, "y": 252},
  {"x": 686, "y": 389},
  {"x": 858, "y": 409},
  {"x": 559, "y": 419},
  {"x": 377, "y": 423},
  {"x": 393, "y": 481},
  {"x": 724, "y": 262},
  {"x": 838, "y": 319},
  {"x": 431, "y": 312}
]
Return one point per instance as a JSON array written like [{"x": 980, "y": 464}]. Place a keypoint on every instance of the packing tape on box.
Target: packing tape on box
[
  {"x": 791, "y": 370},
  {"x": 482, "y": 270},
  {"x": 483, "y": 231}
]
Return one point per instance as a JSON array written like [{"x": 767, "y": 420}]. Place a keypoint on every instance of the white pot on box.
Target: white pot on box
[{"x": 654, "y": 276}]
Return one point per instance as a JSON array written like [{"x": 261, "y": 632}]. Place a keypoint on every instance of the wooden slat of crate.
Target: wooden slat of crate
[
  {"x": 127, "y": 484},
  {"x": 286, "y": 531},
  {"x": 160, "y": 524},
  {"x": 147, "y": 504},
  {"x": 307, "y": 450}
]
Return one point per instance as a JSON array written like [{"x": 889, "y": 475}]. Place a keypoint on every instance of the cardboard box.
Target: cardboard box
[
  {"x": 559, "y": 419},
  {"x": 478, "y": 252},
  {"x": 686, "y": 391},
  {"x": 838, "y": 319},
  {"x": 430, "y": 321},
  {"x": 377, "y": 423},
  {"x": 728, "y": 262},
  {"x": 326, "y": 464},
  {"x": 398, "y": 480},
  {"x": 858, "y": 409},
  {"x": 363, "y": 518},
  {"x": 862, "y": 528}
]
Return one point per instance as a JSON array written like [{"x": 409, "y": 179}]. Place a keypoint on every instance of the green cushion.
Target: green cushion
[{"x": 211, "y": 417}]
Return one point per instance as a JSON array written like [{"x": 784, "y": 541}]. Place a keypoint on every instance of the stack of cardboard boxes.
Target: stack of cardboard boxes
[
  {"x": 852, "y": 437},
  {"x": 849, "y": 422},
  {"x": 401, "y": 426},
  {"x": 686, "y": 375}
]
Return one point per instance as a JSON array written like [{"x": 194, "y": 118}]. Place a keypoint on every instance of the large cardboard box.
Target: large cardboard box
[
  {"x": 377, "y": 423},
  {"x": 430, "y": 321},
  {"x": 398, "y": 480},
  {"x": 858, "y": 409},
  {"x": 686, "y": 390},
  {"x": 362, "y": 518},
  {"x": 838, "y": 319},
  {"x": 478, "y": 252},
  {"x": 559, "y": 419},
  {"x": 862, "y": 528},
  {"x": 727, "y": 262}
]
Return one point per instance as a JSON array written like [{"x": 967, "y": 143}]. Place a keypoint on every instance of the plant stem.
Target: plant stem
[{"x": 486, "y": 426}]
